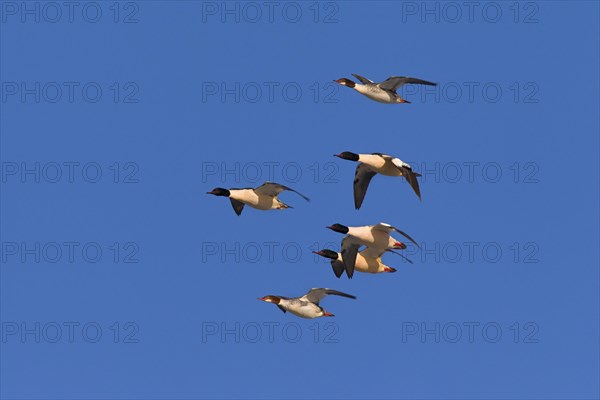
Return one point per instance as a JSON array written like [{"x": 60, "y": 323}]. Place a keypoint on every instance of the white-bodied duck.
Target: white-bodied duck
[
  {"x": 263, "y": 197},
  {"x": 372, "y": 164}
]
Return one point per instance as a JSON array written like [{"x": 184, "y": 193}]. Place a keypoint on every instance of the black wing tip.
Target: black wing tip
[
  {"x": 349, "y": 296},
  {"x": 358, "y": 202},
  {"x": 338, "y": 293},
  {"x": 338, "y": 274},
  {"x": 419, "y": 81},
  {"x": 298, "y": 193},
  {"x": 418, "y": 193},
  {"x": 407, "y": 259}
]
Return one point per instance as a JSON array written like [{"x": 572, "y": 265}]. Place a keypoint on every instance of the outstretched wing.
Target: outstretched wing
[
  {"x": 315, "y": 295},
  {"x": 362, "y": 178},
  {"x": 238, "y": 206},
  {"x": 338, "y": 267},
  {"x": 273, "y": 189},
  {"x": 362, "y": 79},
  {"x": 408, "y": 174},
  {"x": 349, "y": 253},
  {"x": 371, "y": 252},
  {"x": 382, "y": 226},
  {"x": 411, "y": 177},
  {"x": 401, "y": 255},
  {"x": 394, "y": 82}
]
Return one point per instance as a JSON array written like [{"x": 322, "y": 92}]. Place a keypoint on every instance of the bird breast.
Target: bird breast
[
  {"x": 389, "y": 169},
  {"x": 304, "y": 309},
  {"x": 363, "y": 234},
  {"x": 383, "y": 240},
  {"x": 368, "y": 264},
  {"x": 249, "y": 197},
  {"x": 380, "y": 165},
  {"x": 374, "y": 161},
  {"x": 375, "y": 93}
]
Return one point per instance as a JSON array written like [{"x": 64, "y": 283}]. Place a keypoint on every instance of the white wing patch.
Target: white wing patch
[
  {"x": 382, "y": 226},
  {"x": 399, "y": 163}
]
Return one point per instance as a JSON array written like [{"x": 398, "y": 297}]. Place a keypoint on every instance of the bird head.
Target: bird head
[
  {"x": 219, "y": 192},
  {"x": 338, "y": 228},
  {"x": 346, "y": 82},
  {"x": 271, "y": 299},
  {"x": 347, "y": 155},
  {"x": 327, "y": 254}
]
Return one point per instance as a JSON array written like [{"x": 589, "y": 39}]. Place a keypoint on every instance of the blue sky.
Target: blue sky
[{"x": 121, "y": 278}]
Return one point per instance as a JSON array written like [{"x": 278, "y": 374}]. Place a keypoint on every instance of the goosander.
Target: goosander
[
  {"x": 368, "y": 261},
  {"x": 378, "y": 163},
  {"x": 306, "y": 306},
  {"x": 383, "y": 92},
  {"x": 377, "y": 237},
  {"x": 263, "y": 197}
]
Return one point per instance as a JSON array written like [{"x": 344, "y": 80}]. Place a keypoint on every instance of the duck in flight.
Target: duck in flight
[
  {"x": 382, "y": 92},
  {"x": 306, "y": 306},
  {"x": 370, "y": 165},
  {"x": 367, "y": 261},
  {"x": 376, "y": 237},
  {"x": 263, "y": 197}
]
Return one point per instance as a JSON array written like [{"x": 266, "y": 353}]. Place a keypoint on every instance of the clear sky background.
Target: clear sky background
[{"x": 510, "y": 169}]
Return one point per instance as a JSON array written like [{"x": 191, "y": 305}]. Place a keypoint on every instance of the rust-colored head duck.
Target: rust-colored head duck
[
  {"x": 306, "y": 306},
  {"x": 271, "y": 299},
  {"x": 346, "y": 82}
]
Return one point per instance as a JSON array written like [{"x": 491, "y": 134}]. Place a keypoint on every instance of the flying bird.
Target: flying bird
[
  {"x": 383, "y": 92},
  {"x": 263, "y": 197},
  {"x": 306, "y": 306},
  {"x": 368, "y": 261},
  {"x": 377, "y": 237},
  {"x": 378, "y": 163}
]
